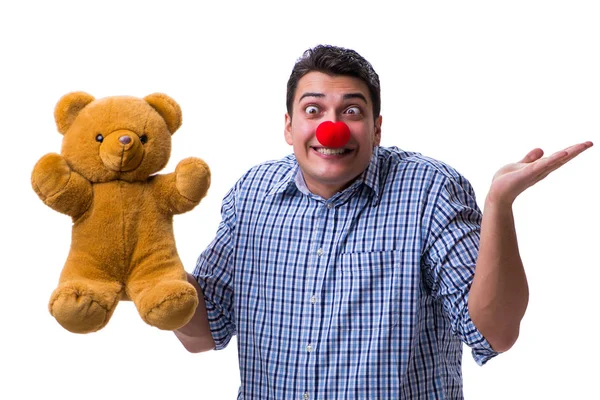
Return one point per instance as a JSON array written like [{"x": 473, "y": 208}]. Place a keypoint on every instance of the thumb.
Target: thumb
[{"x": 533, "y": 155}]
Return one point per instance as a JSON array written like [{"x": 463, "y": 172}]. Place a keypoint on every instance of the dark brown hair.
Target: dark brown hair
[{"x": 333, "y": 60}]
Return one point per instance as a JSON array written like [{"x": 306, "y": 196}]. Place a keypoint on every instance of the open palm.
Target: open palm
[{"x": 512, "y": 179}]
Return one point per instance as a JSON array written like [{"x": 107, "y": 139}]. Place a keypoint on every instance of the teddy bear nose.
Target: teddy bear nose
[{"x": 125, "y": 139}]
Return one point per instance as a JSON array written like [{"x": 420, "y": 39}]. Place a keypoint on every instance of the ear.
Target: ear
[
  {"x": 377, "y": 136},
  {"x": 68, "y": 107},
  {"x": 167, "y": 108},
  {"x": 288, "y": 129}
]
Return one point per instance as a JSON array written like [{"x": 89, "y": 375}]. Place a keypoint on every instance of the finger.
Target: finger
[
  {"x": 533, "y": 155},
  {"x": 549, "y": 164},
  {"x": 579, "y": 147},
  {"x": 574, "y": 151},
  {"x": 587, "y": 144}
]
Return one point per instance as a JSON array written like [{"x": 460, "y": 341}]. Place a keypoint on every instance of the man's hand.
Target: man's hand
[
  {"x": 512, "y": 179},
  {"x": 499, "y": 293}
]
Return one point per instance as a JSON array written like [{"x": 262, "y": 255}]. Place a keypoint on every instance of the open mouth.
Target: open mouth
[{"x": 331, "y": 152}]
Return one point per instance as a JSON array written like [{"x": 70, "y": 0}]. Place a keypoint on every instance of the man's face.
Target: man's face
[{"x": 320, "y": 97}]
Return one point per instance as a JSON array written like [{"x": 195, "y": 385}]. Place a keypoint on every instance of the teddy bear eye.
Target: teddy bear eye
[
  {"x": 144, "y": 139},
  {"x": 99, "y": 138}
]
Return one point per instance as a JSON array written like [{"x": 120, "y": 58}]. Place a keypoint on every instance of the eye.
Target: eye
[
  {"x": 99, "y": 138},
  {"x": 353, "y": 110},
  {"x": 144, "y": 139},
  {"x": 312, "y": 110}
]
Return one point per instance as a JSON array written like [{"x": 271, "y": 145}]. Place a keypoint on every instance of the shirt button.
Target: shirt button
[
  {"x": 313, "y": 300},
  {"x": 306, "y": 396},
  {"x": 309, "y": 348},
  {"x": 330, "y": 206},
  {"x": 320, "y": 252}
]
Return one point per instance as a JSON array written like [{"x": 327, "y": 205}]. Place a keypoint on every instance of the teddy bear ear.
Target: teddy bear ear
[
  {"x": 167, "y": 108},
  {"x": 68, "y": 107}
]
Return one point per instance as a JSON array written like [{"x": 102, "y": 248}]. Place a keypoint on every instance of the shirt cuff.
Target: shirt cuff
[
  {"x": 481, "y": 350},
  {"x": 221, "y": 327}
]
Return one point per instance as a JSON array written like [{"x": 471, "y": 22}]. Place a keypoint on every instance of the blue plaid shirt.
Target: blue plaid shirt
[{"x": 361, "y": 296}]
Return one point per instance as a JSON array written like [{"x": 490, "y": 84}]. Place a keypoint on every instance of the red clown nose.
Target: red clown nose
[{"x": 333, "y": 134}]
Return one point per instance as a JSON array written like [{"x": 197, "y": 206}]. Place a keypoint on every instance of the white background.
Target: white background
[{"x": 476, "y": 84}]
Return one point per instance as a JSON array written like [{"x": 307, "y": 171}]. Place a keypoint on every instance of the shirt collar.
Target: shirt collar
[
  {"x": 371, "y": 175},
  {"x": 286, "y": 182}
]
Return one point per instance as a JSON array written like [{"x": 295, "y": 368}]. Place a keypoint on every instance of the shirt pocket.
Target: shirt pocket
[{"x": 369, "y": 297}]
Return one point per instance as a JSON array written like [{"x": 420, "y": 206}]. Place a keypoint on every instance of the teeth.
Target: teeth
[{"x": 330, "y": 152}]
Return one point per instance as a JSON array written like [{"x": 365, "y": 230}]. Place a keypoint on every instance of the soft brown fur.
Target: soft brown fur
[{"x": 122, "y": 244}]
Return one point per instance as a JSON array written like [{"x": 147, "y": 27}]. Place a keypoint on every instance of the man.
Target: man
[{"x": 357, "y": 271}]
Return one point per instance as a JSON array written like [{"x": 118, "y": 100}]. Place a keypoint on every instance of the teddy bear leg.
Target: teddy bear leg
[
  {"x": 168, "y": 302},
  {"x": 82, "y": 305}
]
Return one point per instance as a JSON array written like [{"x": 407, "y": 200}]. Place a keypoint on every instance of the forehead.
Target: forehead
[{"x": 330, "y": 85}]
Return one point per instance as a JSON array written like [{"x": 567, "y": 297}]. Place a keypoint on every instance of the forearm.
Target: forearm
[
  {"x": 499, "y": 293},
  {"x": 196, "y": 336}
]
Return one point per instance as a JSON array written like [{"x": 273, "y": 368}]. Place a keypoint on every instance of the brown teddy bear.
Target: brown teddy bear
[{"x": 122, "y": 244}]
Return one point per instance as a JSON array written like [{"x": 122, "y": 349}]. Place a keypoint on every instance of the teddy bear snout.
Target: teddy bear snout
[{"x": 121, "y": 151}]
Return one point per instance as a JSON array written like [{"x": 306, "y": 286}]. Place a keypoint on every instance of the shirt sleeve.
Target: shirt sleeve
[
  {"x": 214, "y": 273},
  {"x": 450, "y": 257}
]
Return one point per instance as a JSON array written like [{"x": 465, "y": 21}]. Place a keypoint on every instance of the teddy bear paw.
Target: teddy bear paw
[
  {"x": 77, "y": 310},
  {"x": 192, "y": 178},
  {"x": 169, "y": 305},
  {"x": 50, "y": 175}
]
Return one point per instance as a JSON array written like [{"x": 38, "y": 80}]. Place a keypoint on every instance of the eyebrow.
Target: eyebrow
[
  {"x": 355, "y": 96},
  {"x": 345, "y": 97},
  {"x": 311, "y": 94}
]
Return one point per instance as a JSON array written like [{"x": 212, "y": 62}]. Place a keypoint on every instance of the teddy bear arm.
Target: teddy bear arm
[
  {"x": 182, "y": 190},
  {"x": 59, "y": 187},
  {"x": 169, "y": 200},
  {"x": 75, "y": 199}
]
